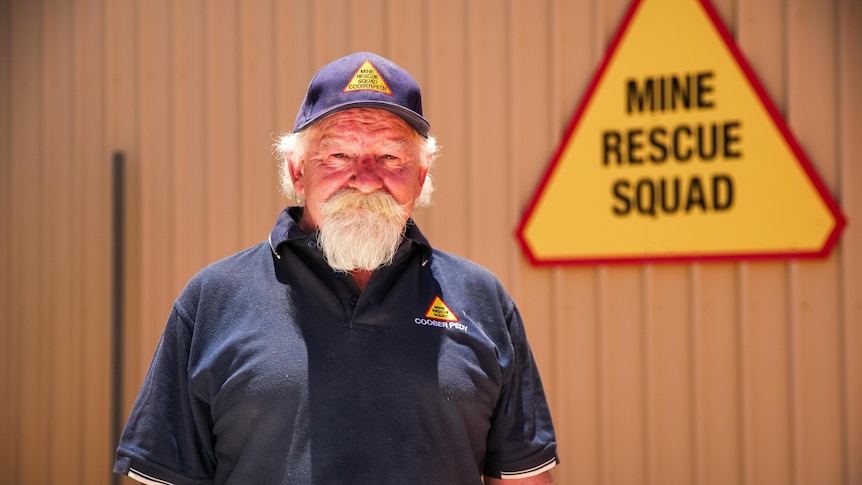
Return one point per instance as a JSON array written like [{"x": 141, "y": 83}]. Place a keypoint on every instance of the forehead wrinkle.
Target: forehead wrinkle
[
  {"x": 353, "y": 141},
  {"x": 330, "y": 140}
]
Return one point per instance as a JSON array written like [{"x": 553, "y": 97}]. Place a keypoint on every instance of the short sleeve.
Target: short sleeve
[
  {"x": 167, "y": 438},
  {"x": 521, "y": 441}
]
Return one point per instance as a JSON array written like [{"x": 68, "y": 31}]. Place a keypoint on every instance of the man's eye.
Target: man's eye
[{"x": 339, "y": 155}]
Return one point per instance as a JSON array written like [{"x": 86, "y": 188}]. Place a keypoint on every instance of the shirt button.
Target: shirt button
[
  {"x": 311, "y": 244},
  {"x": 353, "y": 301}
]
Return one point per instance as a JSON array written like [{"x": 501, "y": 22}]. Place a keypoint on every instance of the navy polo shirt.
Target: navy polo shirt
[{"x": 273, "y": 369}]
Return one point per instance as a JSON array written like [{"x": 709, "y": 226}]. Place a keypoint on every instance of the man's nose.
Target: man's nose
[{"x": 366, "y": 175}]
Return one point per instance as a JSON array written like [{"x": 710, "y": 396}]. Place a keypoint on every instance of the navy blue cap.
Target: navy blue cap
[{"x": 362, "y": 80}]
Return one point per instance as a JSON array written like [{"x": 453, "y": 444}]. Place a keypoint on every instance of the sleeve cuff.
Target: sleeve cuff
[{"x": 527, "y": 472}]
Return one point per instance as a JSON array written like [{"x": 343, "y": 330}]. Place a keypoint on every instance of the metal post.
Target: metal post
[{"x": 117, "y": 303}]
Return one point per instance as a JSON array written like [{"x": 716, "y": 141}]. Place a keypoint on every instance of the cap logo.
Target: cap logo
[{"x": 367, "y": 78}]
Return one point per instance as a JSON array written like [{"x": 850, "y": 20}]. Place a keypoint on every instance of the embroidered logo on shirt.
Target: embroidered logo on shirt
[
  {"x": 367, "y": 78},
  {"x": 440, "y": 311},
  {"x": 440, "y": 315}
]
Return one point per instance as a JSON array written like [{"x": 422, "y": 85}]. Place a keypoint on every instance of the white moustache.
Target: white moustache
[{"x": 378, "y": 202}]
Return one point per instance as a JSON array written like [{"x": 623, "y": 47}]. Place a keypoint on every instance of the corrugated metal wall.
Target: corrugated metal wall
[{"x": 713, "y": 373}]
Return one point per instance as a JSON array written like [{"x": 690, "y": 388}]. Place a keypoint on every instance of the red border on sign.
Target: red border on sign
[{"x": 802, "y": 158}]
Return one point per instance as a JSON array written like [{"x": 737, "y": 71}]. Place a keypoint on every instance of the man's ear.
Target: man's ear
[
  {"x": 423, "y": 174},
  {"x": 296, "y": 171}
]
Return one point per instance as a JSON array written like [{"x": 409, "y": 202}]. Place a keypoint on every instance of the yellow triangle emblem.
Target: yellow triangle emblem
[
  {"x": 367, "y": 78},
  {"x": 440, "y": 311}
]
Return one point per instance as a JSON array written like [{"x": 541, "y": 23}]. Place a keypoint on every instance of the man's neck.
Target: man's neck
[{"x": 361, "y": 277}]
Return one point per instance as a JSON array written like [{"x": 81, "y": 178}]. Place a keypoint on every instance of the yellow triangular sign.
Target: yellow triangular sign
[
  {"x": 440, "y": 311},
  {"x": 677, "y": 153},
  {"x": 367, "y": 78}
]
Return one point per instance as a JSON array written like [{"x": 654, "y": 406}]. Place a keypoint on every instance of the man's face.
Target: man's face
[{"x": 363, "y": 149}]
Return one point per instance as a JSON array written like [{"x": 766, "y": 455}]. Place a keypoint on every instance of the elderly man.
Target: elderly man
[{"x": 345, "y": 349}]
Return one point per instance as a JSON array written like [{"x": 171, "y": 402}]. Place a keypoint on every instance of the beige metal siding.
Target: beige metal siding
[{"x": 703, "y": 373}]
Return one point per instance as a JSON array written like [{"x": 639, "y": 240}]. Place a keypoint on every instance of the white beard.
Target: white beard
[{"x": 361, "y": 231}]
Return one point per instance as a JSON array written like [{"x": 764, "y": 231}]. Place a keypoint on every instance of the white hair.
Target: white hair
[{"x": 291, "y": 147}]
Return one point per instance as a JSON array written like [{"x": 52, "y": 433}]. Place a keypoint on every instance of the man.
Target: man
[{"x": 344, "y": 350}]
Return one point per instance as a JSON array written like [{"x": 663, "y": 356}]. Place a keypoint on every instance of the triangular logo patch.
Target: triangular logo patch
[
  {"x": 440, "y": 311},
  {"x": 367, "y": 78}
]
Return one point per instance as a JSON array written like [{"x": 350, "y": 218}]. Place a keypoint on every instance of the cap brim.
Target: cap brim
[{"x": 418, "y": 123}]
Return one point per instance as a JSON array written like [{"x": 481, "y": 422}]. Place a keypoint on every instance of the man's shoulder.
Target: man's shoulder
[
  {"x": 452, "y": 260},
  {"x": 445, "y": 264},
  {"x": 234, "y": 269}
]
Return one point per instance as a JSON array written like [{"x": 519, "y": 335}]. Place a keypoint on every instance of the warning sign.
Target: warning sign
[
  {"x": 439, "y": 311},
  {"x": 677, "y": 153},
  {"x": 367, "y": 79}
]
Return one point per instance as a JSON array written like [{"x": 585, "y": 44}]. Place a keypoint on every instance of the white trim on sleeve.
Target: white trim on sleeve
[
  {"x": 146, "y": 479},
  {"x": 531, "y": 472}
]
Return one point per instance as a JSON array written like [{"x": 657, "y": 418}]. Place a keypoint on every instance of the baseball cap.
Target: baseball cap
[{"x": 362, "y": 80}]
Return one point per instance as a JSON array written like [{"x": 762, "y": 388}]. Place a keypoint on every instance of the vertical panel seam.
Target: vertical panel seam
[
  {"x": 842, "y": 293},
  {"x": 508, "y": 89},
  {"x": 42, "y": 366},
  {"x": 790, "y": 287},
  {"x": 239, "y": 146},
  {"x": 645, "y": 324},
  {"x": 601, "y": 318},
  {"x": 693, "y": 401},
  {"x": 741, "y": 381},
  {"x": 205, "y": 245}
]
